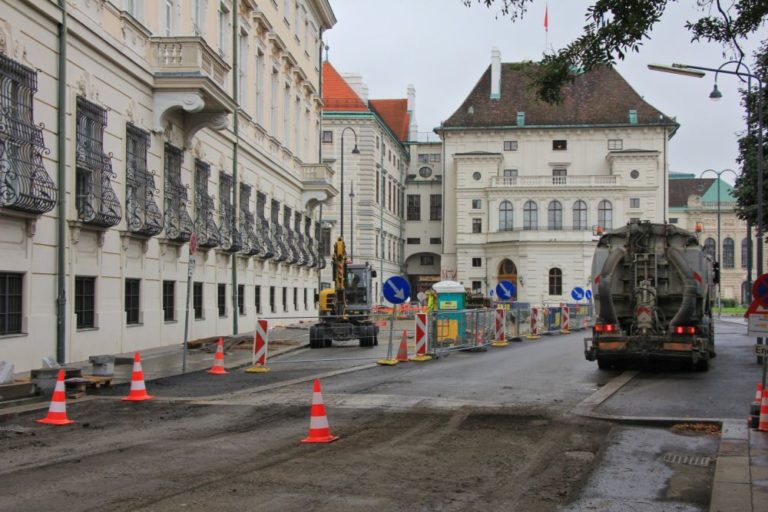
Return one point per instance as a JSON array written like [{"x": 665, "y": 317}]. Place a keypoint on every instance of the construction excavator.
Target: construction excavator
[{"x": 345, "y": 309}]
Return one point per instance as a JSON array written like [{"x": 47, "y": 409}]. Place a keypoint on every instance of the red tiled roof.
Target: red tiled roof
[
  {"x": 337, "y": 94},
  {"x": 681, "y": 189},
  {"x": 395, "y": 114}
]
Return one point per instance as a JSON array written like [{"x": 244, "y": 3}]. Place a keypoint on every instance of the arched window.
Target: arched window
[
  {"x": 709, "y": 247},
  {"x": 729, "y": 252},
  {"x": 579, "y": 215},
  {"x": 605, "y": 214},
  {"x": 505, "y": 216},
  {"x": 530, "y": 216},
  {"x": 744, "y": 252},
  {"x": 555, "y": 216},
  {"x": 555, "y": 281}
]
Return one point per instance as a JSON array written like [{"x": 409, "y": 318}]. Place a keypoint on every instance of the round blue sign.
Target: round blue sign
[
  {"x": 577, "y": 293},
  {"x": 396, "y": 289},
  {"x": 588, "y": 294},
  {"x": 505, "y": 290}
]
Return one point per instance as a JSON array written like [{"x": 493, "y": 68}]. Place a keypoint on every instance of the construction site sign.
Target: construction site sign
[{"x": 758, "y": 325}]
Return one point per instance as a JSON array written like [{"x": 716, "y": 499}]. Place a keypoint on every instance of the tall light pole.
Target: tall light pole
[
  {"x": 698, "y": 71},
  {"x": 719, "y": 249},
  {"x": 352, "y": 221},
  {"x": 355, "y": 151}
]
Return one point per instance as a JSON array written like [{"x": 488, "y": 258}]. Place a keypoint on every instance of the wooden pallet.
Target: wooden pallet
[{"x": 96, "y": 382}]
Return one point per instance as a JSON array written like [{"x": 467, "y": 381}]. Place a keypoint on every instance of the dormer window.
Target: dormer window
[{"x": 559, "y": 145}]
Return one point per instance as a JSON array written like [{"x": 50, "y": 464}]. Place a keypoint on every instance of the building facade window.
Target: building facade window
[
  {"x": 423, "y": 159},
  {"x": 634, "y": 202},
  {"x": 285, "y": 299},
  {"x": 477, "y": 262},
  {"x": 11, "y": 287},
  {"x": 178, "y": 223},
  {"x": 230, "y": 238},
  {"x": 530, "y": 216},
  {"x": 510, "y": 145},
  {"x": 85, "y": 302},
  {"x": 559, "y": 176},
  {"x": 427, "y": 259},
  {"x": 132, "y": 301},
  {"x": 615, "y": 144},
  {"x": 143, "y": 215},
  {"x": 555, "y": 216},
  {"x": 555, "y": 281},
  {"x": 435, "y": 241},
  {"x": 24, "y": 183},
  {"x": 414, "y": 207},
  {"x": 425, "y": 172},
  {"x": 477, "y": 286},
  {"x": 95, "y": 200},
  {"x": 221, "y": 299},
  {"x": 257, "y": 298},
  {"x": 169, "y": 301},
  {"x": 413, "y": 241},
  {"x": 745, "y": 252},
  {"x": 197, "y": 300},
  {"x": 729, "y": 253},
  {"x": 205, "y": 226},
  {"x": 272, "y": 305},
  {"x": 477, "y": 204},
  {"x": 435, "y": 207},
  {"x": 505, "y": 216},
  {"x": 605, "y": 214},
  {"x": 710, "y": 246},
  {"x": 477, "y": 225},
  {"x": 241, "y": 299},
  {"x": 579, "y": 215},
  {"x": 559, "y": 145}
]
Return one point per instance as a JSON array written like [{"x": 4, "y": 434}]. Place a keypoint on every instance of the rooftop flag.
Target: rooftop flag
[{"x": 546, "y": 17}]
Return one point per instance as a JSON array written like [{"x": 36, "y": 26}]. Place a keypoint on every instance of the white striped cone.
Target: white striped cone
[
  {"x": 260, "y": 344},
  {"x": 138, "y": 391},
  {"x": 57, "y": 411},
  {"x": 319, "y": 430}
]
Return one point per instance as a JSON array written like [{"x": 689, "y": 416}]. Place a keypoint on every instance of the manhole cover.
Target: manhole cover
[{"x": 688, "y": 460}]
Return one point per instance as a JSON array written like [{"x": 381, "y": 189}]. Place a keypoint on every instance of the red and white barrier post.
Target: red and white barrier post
[
  {"x": 260, "y": 345},
  {"x": 421, "y": 338},
  {"x": 500, "y": 339},
  {"x": 565, "y": 328},
  {"x": 534, "y": 334}
]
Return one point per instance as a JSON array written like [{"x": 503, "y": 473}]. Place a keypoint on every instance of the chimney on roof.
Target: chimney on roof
[
  {"x": 412, "y": 129},
  {"x": 355, "y": 81},
  {"x": 495, "y": 73}
]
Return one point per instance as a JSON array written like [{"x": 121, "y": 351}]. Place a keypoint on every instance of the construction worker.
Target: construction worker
[{"x": 431, "y": 302}]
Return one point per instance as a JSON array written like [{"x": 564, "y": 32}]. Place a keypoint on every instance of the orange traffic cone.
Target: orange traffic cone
[
  {"x": 138, "y": 390},
  {"x": 319, "y": 432},
  {"x": 763, "y": 425},
  {"x": 402, "y": 353},
  {"x": 218, "y": 360},
  {"x": 759, "y": 394},
  {"x": 57, "y": 411}
]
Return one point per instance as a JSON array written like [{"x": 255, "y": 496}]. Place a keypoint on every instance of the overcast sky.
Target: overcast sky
[{"x": 442, "y": 48}]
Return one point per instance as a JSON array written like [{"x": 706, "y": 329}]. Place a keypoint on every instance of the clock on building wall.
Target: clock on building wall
[
  {"x": 476, "y": 176},
  {"x": 634, "y": 174},
  {"x": 425, "y": 172}
]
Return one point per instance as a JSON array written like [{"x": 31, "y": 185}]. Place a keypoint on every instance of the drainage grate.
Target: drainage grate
[{"x": 689, "y": 460}]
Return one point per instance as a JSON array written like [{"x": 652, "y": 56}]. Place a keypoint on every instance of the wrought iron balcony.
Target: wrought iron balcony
[
  {"x": 207, "y": 233},
  {"x": 278, "y": 242},
  {"x": 592, "y": 181},
  {"x": 251, "y": 245},
  {"x": 230, "y": 239},
  {"x": 144, "y": 217},
  {"x": 263, "y": 231},
  {"x": 24, "y": 183}
]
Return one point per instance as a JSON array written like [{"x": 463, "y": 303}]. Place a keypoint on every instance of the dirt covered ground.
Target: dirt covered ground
[{"x": 161, "y": 456}]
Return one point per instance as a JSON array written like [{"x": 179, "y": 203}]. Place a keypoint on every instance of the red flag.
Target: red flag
[{"x": 546, "y": 17}]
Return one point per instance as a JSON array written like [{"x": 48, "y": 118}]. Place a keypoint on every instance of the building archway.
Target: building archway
[
  {"x": 422, "y": 270},
  {"x": 507, "y": 271}
]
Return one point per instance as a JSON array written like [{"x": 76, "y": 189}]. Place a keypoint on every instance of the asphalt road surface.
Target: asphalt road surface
[{"x": 471, "y": 431}]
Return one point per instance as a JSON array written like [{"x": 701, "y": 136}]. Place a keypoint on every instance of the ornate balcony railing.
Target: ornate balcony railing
[
  {"x": 143, "y": 215},
  {"x": 291, "y": 241},
  {"x": 96, "y": 201},
  {"x": 247, "y": 226},
  {"x": 207, "y": 233},
  {"x": 178, "y": 223},
  {"x": 309, "y": 243},
  {"x": 278, "y": 242},
  {"x": 555, "y": 181},
  {"x": 229, "y": 237},
  {"x": 319, "y": 258},
  {"x": 24, "y": 183},
  {"x": 263, "y": 231}
]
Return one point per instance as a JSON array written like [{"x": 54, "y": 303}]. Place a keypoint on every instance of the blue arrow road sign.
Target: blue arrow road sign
[
  {"x": 588, "y": 294},
  {"x": 505, "y": 290},
  {"x": 577, "y": 293},
  {"x": 396, "y": 289}
]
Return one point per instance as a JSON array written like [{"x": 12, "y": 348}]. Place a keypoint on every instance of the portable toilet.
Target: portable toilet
[{"x": 450, "y": 314}]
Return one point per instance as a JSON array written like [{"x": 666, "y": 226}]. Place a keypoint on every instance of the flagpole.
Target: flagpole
[{"x": 546, "y": 28}]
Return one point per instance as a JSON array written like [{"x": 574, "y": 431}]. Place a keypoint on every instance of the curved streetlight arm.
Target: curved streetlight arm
[{"x": 356, "y": 152}]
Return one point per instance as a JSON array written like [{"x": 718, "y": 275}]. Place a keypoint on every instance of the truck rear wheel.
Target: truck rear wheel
[
  {"x": 366, "y": 336},
  {"x": 702, "y": 365}
]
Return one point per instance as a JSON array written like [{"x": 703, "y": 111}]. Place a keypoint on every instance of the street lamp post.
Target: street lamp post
[
  {"x": 352, "y": 221},
  {"x": 719, "y": 250},
  {"x": 355, "y": 151},
  {"x": 698, "y": 72}
]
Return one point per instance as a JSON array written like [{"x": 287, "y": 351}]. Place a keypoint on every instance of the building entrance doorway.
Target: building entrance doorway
[{"x": 508, "y": 272}]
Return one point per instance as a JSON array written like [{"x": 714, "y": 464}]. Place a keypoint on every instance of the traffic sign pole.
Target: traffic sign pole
[{"x": 190, "y": 271}]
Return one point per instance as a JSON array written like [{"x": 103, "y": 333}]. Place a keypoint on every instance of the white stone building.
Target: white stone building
[
  {"x": 378, "y": 130},
  {"x": 528, "y": 184},
  {"x": 163, "y": 118}
]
